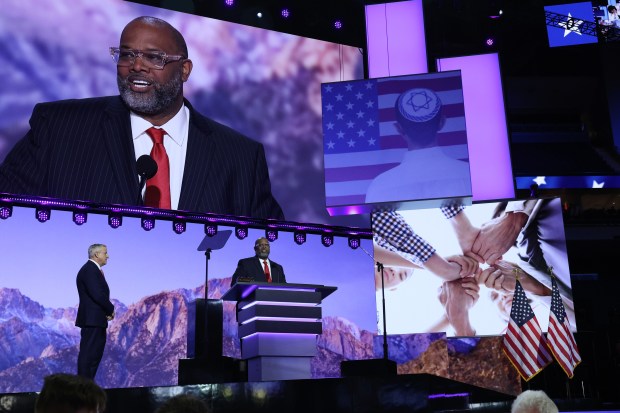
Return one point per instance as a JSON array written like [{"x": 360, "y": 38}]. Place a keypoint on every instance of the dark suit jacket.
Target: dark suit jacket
[
  {"x": 83, "y": 150},
  {"x": 251, "y": 268},
  {"x": 94, "y": 295}
]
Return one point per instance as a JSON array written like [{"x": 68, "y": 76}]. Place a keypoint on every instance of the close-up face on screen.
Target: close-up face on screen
[{"x": 263, "y": 84}]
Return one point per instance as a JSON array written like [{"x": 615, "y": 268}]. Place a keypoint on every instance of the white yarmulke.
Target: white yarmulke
[{"x": 418, "y": 105}]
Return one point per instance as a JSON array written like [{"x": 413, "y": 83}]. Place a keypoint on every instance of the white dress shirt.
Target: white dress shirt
[{"x": 175, "y": 142}]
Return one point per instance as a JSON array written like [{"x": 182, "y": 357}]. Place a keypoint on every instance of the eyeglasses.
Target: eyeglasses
[{"x": 151, "y": 59}]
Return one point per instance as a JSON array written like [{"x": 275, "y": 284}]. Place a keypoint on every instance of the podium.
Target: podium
[{"x": 278, "y": 327}]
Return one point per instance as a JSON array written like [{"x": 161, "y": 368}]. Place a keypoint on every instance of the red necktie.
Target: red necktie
[
  {"x": 158, "y": 187},
  {"x": 267, "y": 273}
]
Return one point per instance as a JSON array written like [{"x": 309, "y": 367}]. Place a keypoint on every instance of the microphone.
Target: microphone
[{"x": 147, "y": 168}]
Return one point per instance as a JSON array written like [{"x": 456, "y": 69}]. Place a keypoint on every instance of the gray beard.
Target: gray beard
[{"x": 151, "y": 104}]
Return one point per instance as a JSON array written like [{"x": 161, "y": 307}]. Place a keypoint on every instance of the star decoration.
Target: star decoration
[
  {"x": 571, "y": 25},
  {"x": 540, "y": 180},
  {"x": 597, "y": 185},
  {"x": 419, "y": 100}
]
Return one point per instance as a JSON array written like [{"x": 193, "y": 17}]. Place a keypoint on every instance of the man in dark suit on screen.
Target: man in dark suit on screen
[
  {"x": 259, "y": 267},
  {"x": 94, "y": 310},
  {"x": 87, "y": 149}
]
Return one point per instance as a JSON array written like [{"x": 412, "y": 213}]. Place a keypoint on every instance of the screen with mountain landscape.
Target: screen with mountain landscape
[{"x": 153, "y": 278}]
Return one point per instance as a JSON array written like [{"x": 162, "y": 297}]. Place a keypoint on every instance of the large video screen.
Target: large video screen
[
  {"x": 395, "y": 139},
  {"x": 431, "y": 283},
  {"x": 261, "y": 83},
  {"x": 572, "y": 24},
  {"x": 153, "y": 278}
]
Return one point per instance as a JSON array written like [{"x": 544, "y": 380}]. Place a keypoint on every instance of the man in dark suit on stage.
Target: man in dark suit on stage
[
  {"x": 94, "y": 310},
  {"x": 88, "y": 149},
  {"x": 259, "y": 267}
]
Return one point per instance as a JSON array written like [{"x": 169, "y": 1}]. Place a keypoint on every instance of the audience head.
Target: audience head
[
  {"x": 68, "y": 393},
  {"x": 184, "y": 403},
  {"x": 533, "y": 401}
]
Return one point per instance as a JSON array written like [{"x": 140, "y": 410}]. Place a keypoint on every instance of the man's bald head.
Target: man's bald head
[{"x": 163, "y": 25}]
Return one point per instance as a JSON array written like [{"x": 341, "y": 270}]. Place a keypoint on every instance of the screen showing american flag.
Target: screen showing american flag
[{"x": 365, "y": 139}]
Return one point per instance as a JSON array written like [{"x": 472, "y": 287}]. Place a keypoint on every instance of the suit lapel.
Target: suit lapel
[
  {"x": 259, "y": 267},
  {"x": 119, "y": 144},
  {"x": 198, "y": 163}
]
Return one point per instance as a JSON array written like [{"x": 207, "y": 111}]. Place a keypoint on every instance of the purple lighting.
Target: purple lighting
[
  {"x": 79, "y": 217},
  {"x": 147, "y": 223},
  {"x": 327, "y": 240},
  {"x": 447, "y": 395},
  {"x": 210, "y": 230},
  {"x": 115, "y": 221},
  {"x": 354, "y": 243},
  {"x": 395, "y": 38},
  {"x": 300, "y": 237},
  {"x": 241, "y": 232},
  {"x": 487, "y": 133},
  {"x": 229, "y": 3},
  {"x": 178, "y": 227},
  {"x": 285, "y": 13},
  {"x": 6, "y": 212},
  {"x": 490, "y": 42},
  {"x": 271, "y": 234},
  {"x": 43, "y": 214},
  {"x": 338, "y": 24}
]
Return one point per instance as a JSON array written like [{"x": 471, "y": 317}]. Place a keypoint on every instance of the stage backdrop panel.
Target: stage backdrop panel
[
  {"x": 262, "y": 83},
  {"x": 415, "y": 296}
]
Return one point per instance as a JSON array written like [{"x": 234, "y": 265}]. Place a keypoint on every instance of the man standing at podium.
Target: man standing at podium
[{"x": 259, "y": 268}]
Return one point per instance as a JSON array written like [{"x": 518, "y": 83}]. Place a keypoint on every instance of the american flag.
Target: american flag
[
  {"x": 360, "y": 140},
  {"x": 559, "y": 335},
  {"x": 524, "y": 343}
]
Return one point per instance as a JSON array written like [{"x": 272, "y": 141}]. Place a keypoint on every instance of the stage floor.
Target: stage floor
[{"x": 403, "y": 393}]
